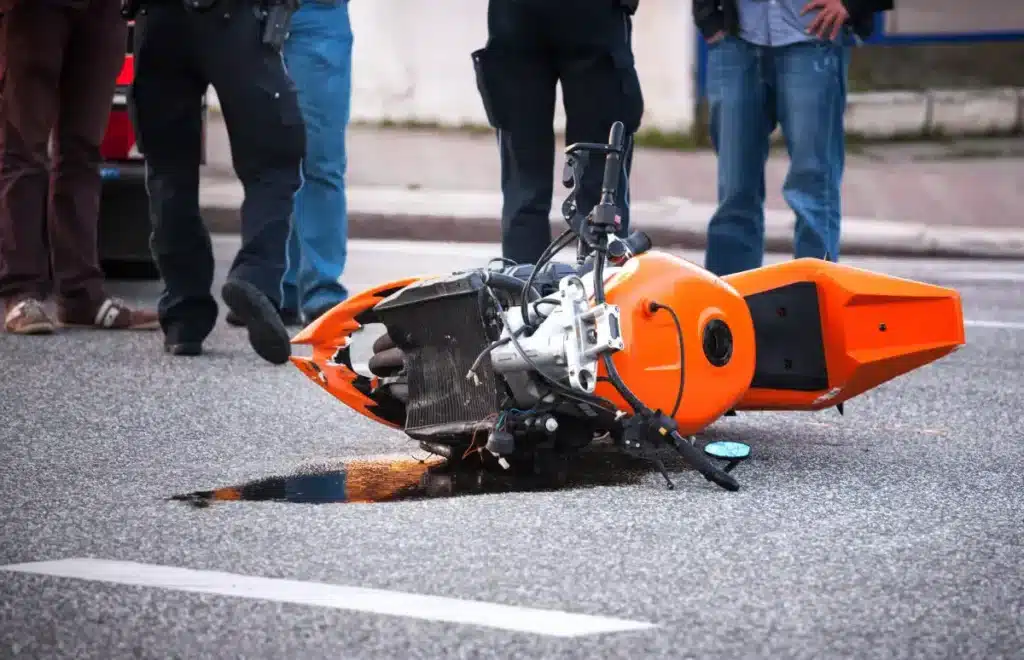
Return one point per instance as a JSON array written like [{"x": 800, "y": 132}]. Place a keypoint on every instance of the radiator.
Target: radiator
[{"x": 438, "y": 324}]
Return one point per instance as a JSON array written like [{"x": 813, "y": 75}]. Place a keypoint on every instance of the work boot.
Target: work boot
[
  {"x": 28, "y": 316},
  {"x": 288, "y": 316},
  {"x": 184, "y": 348},
  {"x": 267, "y": 333}
]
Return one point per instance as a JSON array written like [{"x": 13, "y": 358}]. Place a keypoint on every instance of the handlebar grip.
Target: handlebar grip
[
  {"x": 638, "y": 242},
  {"x": 612, "y": 163},
  {"x": 616, "y": 135}
]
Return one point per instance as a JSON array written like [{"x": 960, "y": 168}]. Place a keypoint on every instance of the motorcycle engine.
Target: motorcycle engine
[
  {"x": 468, "y": 358},
  {"x": 566, "y": 344}
]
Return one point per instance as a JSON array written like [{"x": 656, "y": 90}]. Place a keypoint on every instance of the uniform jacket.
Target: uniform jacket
[{"x": 713, "y": 16}]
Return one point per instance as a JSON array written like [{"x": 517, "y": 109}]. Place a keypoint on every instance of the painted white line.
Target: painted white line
[
  {"x": 978, "y": 277},
  {"x": 921, "y": 269},
  {"x": 937, "y": 271},
  {"x": 982, "y": 276},
  {"x": 1002, "y": 325},
  {"x": 483, "y": 251},
  {"x": 376, "y": 601}
]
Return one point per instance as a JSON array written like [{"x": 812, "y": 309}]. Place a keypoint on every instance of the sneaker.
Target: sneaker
[
  {"x": 110, "y": 314},
  {"x": 267, "y": 334},
  {"x": 28, "y": 317}
]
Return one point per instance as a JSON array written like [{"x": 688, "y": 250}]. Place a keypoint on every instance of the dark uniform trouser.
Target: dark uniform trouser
[
  {"x": 178, "y": 54},
  {"x": 586, "y": 45}
]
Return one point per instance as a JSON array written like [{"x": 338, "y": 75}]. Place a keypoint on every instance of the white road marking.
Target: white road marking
[
  {"x": 481, "y": 251},
  {"x": 485, "y": 251},
  {"x": 377, "y": 601},
  {"x": 1002, "y": 325},
  {"x": 980, "y": 276},
  {"x": 912, "y": 270},
  {"x": 916, "y": 268}
]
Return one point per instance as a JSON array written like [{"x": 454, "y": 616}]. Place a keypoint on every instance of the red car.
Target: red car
[{"x": 124, "y": 207}]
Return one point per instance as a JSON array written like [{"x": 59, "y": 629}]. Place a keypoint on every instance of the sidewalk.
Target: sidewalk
[{"x": 899, "y": 200}]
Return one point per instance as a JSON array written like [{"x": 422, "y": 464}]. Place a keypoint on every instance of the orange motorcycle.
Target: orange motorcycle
[{"x": 515, "y": 368}]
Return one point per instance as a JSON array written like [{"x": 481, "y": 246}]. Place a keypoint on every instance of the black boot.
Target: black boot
[{"x": 267, "y": 333}]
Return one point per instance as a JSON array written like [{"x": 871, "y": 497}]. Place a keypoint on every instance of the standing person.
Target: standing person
[
  {"x": 532, "y": 45},
  {"x": 779, "y": 62},
  {"x": 318, "y": 54},
  {"x": 237, "y": 50},
  {"x": 60, "y": 63}
]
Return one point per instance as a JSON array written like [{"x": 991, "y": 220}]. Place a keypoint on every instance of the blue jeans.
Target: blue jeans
[
  {"x": 750, "y": 89},
  {"x": 318, "y": 55}
]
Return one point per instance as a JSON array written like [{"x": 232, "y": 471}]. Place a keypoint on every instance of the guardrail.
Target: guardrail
[{"x": 882, "y": 37}]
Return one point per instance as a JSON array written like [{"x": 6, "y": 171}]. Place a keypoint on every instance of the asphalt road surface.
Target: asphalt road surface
[{"x": 892, "y": 532}]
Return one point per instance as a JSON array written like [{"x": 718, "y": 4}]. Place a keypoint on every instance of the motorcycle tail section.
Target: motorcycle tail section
[{"x": 827, "y": 332}]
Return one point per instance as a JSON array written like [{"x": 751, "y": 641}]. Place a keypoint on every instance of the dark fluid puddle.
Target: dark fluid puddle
[{"x": 390, "y": 480}]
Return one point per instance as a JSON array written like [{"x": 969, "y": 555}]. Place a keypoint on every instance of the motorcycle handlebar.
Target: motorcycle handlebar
[
  {"x": 636, "y": 243},
  {"x": 708, "y": 470}
]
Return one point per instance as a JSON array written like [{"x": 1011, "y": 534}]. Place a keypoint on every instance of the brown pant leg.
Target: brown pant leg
[
  {"x": 95, "y": 54},
  {"x": 33, "y": 37}
]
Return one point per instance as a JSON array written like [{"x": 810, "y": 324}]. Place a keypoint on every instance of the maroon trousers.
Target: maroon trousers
[{"x": 60, "y": 64}]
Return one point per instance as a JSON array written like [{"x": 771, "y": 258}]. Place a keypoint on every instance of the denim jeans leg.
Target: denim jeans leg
[
  {"x": 319, "y": 58},
  {"x": 742, "y": 117},
  {"x": 811, "y": 81}
]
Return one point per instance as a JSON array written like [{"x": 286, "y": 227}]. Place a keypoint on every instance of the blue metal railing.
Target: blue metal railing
[{"x": 880, "y": 38}]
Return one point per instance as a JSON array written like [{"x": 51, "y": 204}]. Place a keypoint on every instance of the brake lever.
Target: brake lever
[
  {"x": 572, "y": 178},
  {"x": 568, "y": 175},
  {"x": 572, "y": 173}
]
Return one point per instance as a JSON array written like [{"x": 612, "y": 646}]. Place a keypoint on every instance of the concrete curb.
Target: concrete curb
[
  {"x": 949, "y": 112},
  {"x": 472, "y": 217}
]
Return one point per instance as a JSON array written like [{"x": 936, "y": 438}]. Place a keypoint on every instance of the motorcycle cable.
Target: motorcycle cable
[
  {"x": 553, "y": 248},
  {"x": 564, "y": 390},
  {"x": 471, "y": 374},
  {"x": 654, "y": 307},
  {"x": 664, "y": 425},
  {"x": 603, "y": 217}
]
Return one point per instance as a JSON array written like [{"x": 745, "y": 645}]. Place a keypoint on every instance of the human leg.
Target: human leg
[
  {"x": 600, "y": 86},
  {"x": 519, "y": 82},
  {"x": 742, "y": 117},
  {"x": 33, "y": 39},
  {"x": 166, "y": 103},
  {"x": 267, "y": 136},
  {"x": 318, "y": 55},
  {"x": 93, "y": 57},
  {"x": 811, "y": 80}
]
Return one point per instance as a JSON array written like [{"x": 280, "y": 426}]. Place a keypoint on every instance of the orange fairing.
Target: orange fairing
[
  {"x": 650, "y": 365},
  {"x": 330, "y": 367},
  {"x": 827, "y": 332}
]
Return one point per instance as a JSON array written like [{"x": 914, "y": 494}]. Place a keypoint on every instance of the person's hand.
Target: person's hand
[
  {"x": 829, "y": 21},
  {"x": 716, "y": 37}
]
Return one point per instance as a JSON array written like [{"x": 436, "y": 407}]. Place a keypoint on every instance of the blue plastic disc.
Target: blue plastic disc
[{"x": 728, "y": 450}]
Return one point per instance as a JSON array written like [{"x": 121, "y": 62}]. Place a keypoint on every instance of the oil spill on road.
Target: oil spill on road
[
  {"x": 406, "y": 478},
  {"x": 351, "y": 481}
]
